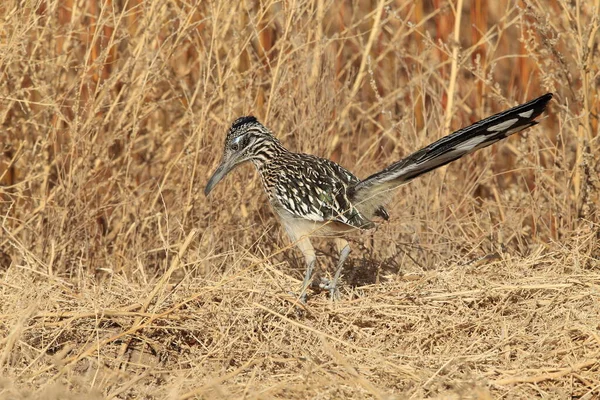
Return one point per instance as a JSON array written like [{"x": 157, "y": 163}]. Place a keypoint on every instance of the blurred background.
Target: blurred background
[{"x": 114, "y": 113}]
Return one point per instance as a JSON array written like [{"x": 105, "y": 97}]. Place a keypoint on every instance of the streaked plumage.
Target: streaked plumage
[{"x": 316, "y": 197}]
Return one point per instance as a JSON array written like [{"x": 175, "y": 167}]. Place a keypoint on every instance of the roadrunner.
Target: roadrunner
[{"x": 314, "y": 196}]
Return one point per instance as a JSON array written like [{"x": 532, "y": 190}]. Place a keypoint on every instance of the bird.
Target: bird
[{"x": 316, "y": 197}]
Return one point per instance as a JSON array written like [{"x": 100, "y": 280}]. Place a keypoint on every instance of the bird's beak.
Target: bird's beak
[{"x": 222, "y": 170}]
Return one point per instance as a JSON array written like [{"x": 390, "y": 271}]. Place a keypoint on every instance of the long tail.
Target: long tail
[{"x": 370, "y": 192}]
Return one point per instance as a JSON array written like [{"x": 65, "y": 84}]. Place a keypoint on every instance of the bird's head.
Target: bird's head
[{"x": 247, "y": 140}]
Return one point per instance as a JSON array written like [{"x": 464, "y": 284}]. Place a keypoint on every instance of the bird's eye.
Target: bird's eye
[{"x": 235, "y": 146}]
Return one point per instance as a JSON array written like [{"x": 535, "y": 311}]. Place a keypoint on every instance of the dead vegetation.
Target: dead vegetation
[{"x": 119, "y": 279}]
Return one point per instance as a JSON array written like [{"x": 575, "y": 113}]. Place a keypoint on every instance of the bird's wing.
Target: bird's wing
[{"x": 316, "y": 189}]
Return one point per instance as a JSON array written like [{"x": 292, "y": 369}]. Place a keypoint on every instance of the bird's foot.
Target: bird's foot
[
  {"x": 331, "y": 287},
  {"x": 302, "y": 297}
]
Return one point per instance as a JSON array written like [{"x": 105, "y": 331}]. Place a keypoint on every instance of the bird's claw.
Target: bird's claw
[{"x": 332, "y": 288}]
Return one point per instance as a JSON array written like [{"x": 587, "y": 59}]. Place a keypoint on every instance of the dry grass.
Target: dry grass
[{"x": 119, "y": 279}]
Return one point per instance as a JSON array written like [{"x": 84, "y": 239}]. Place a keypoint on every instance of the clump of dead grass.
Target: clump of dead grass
[{"x": 119, "y": 279}]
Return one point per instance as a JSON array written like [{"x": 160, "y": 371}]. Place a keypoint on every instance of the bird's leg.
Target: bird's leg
[
  {"x": 307, "y": 278},
  {"x": 309, "y": 255},
  {"x": 344, "y": 249}
]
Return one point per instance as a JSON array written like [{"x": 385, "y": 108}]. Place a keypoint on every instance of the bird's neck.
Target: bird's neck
[{"x": 271, "y": 152}]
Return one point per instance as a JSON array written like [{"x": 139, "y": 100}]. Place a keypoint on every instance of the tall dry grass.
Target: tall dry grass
[{"x": 119, "y": 279}]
